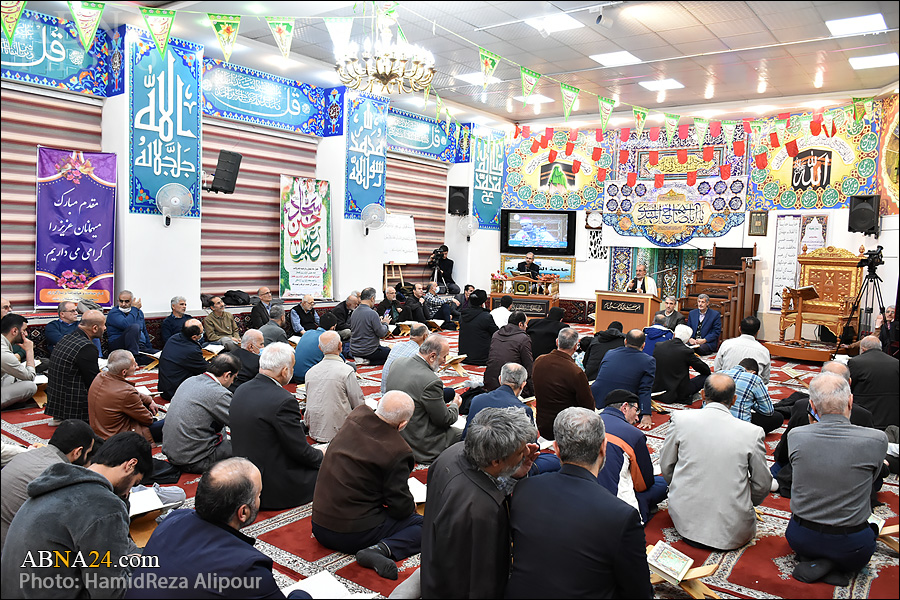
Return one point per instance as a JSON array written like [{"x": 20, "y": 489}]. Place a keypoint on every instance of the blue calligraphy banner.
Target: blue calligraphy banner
[
  {"x": 46, "y": 51},
  {"x": 242, "y": 94},
  {"x": 165, "y": 120},
  {"x": 366, "y": 146},
  {"x": 490, "y": 173},
  {"x": 419, "y": 135},
  {"x": 76, "y": 224}
]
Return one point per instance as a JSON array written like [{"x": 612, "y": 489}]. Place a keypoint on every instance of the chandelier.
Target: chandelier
[{"x": 397, "y": 66}]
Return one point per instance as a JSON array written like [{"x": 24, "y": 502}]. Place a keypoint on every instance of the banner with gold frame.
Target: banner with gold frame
[{"x": 564, "y": 266}]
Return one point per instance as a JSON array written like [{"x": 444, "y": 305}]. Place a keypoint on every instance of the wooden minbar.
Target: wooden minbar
[
  {"x": 634, "y": 311},
  {"x": 533, "y": 297}
]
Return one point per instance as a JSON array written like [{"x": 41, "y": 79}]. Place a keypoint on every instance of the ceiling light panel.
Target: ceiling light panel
[
  {"x": 872, "y": 62},
  {"x": 857, "y": 25},
  {"x": 616, "y": 59},
  {"x": 554, "y": 23},
  {"x": 660, "y": 85}
]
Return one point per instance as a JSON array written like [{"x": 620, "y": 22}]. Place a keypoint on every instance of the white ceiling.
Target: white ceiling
[{"x": 783, "y": 43}]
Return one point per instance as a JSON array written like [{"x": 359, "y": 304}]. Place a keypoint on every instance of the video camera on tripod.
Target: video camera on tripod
[{"x": 873, "y": 259}]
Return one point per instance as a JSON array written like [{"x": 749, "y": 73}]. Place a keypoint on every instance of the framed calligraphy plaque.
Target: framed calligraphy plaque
[
  {"x": 305, "y": 238},
  {"x": 759, "y": 223}
]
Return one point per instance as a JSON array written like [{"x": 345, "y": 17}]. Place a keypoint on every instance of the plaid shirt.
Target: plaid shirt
[
  {"x": 751, "y": 393},
  {"x": 433, "y": 304},
  {"x": 401, "y": 350}
]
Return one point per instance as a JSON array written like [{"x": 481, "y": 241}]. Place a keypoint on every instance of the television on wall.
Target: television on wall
[{"x": 544, "y": 232}]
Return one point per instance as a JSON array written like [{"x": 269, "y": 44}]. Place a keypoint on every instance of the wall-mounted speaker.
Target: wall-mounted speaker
[
  {"x": 458, "y": 200},
  {"x": 864, "y": 214},
  {"x": 226, "y": 174}
]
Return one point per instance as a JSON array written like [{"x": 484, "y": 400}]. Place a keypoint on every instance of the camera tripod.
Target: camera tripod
[{"x": 870, "y": 290}]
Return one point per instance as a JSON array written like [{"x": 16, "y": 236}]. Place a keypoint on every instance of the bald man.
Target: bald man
[
  {"x": 875, "y": 381},
  {"x": 304, "y": 317},
  {"x": 73, "y": 367},
  {"x": 332, "y": 390}
]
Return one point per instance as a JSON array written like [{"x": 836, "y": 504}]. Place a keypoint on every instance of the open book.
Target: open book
[
  {"x": 147, "y": 500},
  {"x": 417, "y": 489},
  {"x": 325, "y": 585},
  {"x": 669, "y": 563}
]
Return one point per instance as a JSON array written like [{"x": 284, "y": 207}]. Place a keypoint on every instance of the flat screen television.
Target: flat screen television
[{"x": 544, "y": 232}]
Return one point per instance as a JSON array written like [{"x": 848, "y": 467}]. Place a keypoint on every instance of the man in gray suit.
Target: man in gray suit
[
  {"x": 273, "y": 331},
  {"x": 430, "y": 429},
  {"x": 716, "y": 469}
]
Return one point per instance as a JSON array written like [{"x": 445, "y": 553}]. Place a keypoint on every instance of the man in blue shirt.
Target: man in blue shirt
[
  {"x": 172, "y": 324},
  {"x": 307, "y": 352},
  {"x": 752, "y": 402},
  {"x": 126, "y": 329},
  {"x": 64, "y": 325}
]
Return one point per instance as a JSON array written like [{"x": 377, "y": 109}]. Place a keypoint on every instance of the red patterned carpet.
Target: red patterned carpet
[{"x": 761, "y": 569}]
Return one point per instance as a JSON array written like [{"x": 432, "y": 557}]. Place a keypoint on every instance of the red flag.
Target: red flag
[
  {"x": 598, "y": 135},
  {"x": 739, "y": 147},
  {"x": 659, "y": 180},
  {"x": 725, "y": 171},
  {"x": 773, "y": 140},
  {"x": 715, "y": 129},
  {"x": 631, "y": 179},
  {"x": 601, "y": 175},
  {"x": 787, "y": 117},
  {"x": 692, "y": 178},
  {"x": 815, "y": 127},
  {"x": 552, "y": 156},
  {"x": 624, "y": 134},
  {"x": 518, "y": 131},
  {"x": 654, "y": 134},
  {"x": 548, "y": 133},
  {"x": 707, "y": 153},
  {"x": 682, "y": 156},
  {"x": 573, "y": 135},
  {"x": 791, "y": 148},
  {"x": 526, "y": 131},
  {"x": 747, "y": 126},
  {"x": 545, "y": 141},
  {"x": 833, "y": 130},
  {"x": 597, "y": 153},
  {"x": 762, "y": 161},
  {"x": 576, "y": 166},
  {"x": 683, "y": 131},
  {"x": 623, "y": 157},
  {"x": 570, "y": 147},
  {"x": 535, "y": 145},
  {"x": 654, "y": 157}
]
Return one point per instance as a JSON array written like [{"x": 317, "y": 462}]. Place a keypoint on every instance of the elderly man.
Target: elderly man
[
  {"x": 17, "y": 382},
  {"x": 273, "y": 329},
  {"x": 511, "y": 381},
  {"x": 343, "y": 311},
  {"x": 835, "y": 465},
  {"x": 362, "y": 504},
  {"x": 251, "y": 345},
  {"x": 714, "y": 461},
  {"x": 115, "y": 405},
  {"x": 304, "y": 317},
  {"x": 307, "y": 352},
  {"x": 5, "y": 307},
  {"x": 267, "y": 428},
  {"x": 437, "y": 307},
  {"x": 752, "y": 403},
  {"x": 414, "y": 309},
  {"x": 220, "y": 326},
  {"x": 627, "y": 368},
  {"x": 543, "y": 332},
  {"x": 465, "y": 536},
  {"x": 732, "y": 351},
  {"x": 885, "y": 328},
  {"x": 658, "y": 332},
  {"x": 73, "y": 367},
  {"x": 430, "y": 430},
  {"x": 559, "y": 383},
  {"x": 74, "y": 511},
  {"x": 674, "y": 361},
  {"x": 510, "y": 344},
  {"x": 417, "y": 335},
  {"x": 366, "y": 330},
  {"x": 642, "y": 283},
  {"x": 332, "y": 391},
  {"x": 172, "y": 324},
  {"x": 603, "y": 342},
  {"x": 390, "y": 306},
  {"x": 875, "y": 381},
  {"x": 194, "y": 428},
  {"x": 706, "y": 325},
  {"x": 261, "y": 312},
  {"x": 127, "y": 328},
  {"x": 63, "y": 326},
  {"x": 181, "y": 358},
  {"x": 672, "y": 314},
  {"x": 598, "y": 545},
  {"x": 228, "y": 498},
  {"x": 71, "y": 442}
]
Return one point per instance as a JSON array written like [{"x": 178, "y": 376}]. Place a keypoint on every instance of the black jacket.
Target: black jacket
[
  {"x": 259, "y": 316},
  {"x": 390, "y": 305},
  {"x": 476, "y": 326},
  {"x": 343, "y": 315},
  {"x": 875, "y": 383},
  {"x": 672, "y": 376},
  {"x": 509, "y": 344},
  {"x": 180, "y": 359},
  {"x": 543, "y": 334},
  {"x": 413, "y": 310},
  {"x": 603, "y": 342},
  {"x": 249, "y": 368}
]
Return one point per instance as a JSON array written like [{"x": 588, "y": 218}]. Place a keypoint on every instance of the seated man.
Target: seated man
[
  {"x": 194, "y": 428},
  {"x": 273, "y": 329},
  {"x": 835, "y": 465},
  {"x": 17, "y": 382},
  {"x": 307, "y": 352},
  {"x": 332, "y": 390},
  {"x": 673, "y": 363},
  {"x": 343, "y": 311},
  {"x": 220, "y": 327},
  {"x": 529, "y": 267},
  {"x": 476, "y": 326},
  {"x": 753, "y": 403},
  {"x": 510, "y": 344},
  {"x": 437, "y": 307},
  {"x": 417, "y": 335},
  {"x": 629, "y": 470},
  {"x": 267, "y": 428},
  {"x": 543, "y": 332},
  {"x": 227, "y": 501},
  {"x": 511, "y": 381},
  {"x": 603, "y": 342},
  {"x": 114, "y": 405},
  {"x": 390, "y": 306},
  {"x": 127, "y": 328},
  {"x": 875, "y": 381},
  {"x": 304, "y": 317},
  {"x": 706, "y": 325},
  {"x": 443, "y": 268},
  {"x": 732, "y": 351},
  {"x": 73, "y": 367},
  {"x": 672, "y": 314},
  {"x": 658, "y": 332},
  {"x": 598, "y": 546},
  {"x": 63, "y": 326},
  {"x": 627, "y": 368},
  {"x": 716, "y": 469},
  {"x": 559, "y": 383},
  {"x": 430, "y": 430},
  {"x": 172, "y": 324},
  {"x": 181, "y": 358},
  {"x": 74, "y": 511},
  {"x": 71, "y": 442},
  {"x": 251, "y": 345},
  {"x": 463, "y": 296},
  {"x": 366, "y": 330},
  {"x": 261, "y": 312},
  {"x": 362, "y": 504},
  {"x": 502, "y": 312},
  {"x": 414, "y": 309}
]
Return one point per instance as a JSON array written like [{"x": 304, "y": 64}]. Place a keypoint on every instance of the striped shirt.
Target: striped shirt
[{"x": 751, "y": 394}]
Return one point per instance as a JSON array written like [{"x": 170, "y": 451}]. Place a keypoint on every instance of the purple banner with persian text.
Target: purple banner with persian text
[{"x": 76, "y": 224}]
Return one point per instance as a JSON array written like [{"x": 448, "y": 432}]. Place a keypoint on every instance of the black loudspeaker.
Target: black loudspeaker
[
  {"x": 226, "y": 172},
  {"x": 864, "y": 214},
  {"x": 458, "y": 200}
]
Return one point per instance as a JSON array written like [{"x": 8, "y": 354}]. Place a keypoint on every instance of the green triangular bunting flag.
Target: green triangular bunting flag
[
  {"x": 569, "y": 94},
  {"x": 701, "y": 126},
  {"x": 728, "y": 127},
  {"x": 11, "y": 13},
  {"x": 159, "y": 22},
  {"x": 640, "y": 117},
  {"x": 671, "y": 126},
  {"x": 283, "y": 30},
  {"x": 529, "y": 81},
  {"x": 606, "y": 108},
  {"x": 339, "y": 28},
  {"x": 87, "y": 18},
  {"x": 489, "y": 62},
  {"x": 226, "y": 28}
]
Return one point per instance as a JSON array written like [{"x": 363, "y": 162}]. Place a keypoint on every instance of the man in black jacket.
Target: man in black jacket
[
  {"x": 181, "y": 358},
  {"x": 414, "y": 309},
  {"x": 673, "y": 359},
  {"x": 342, "y": 311},
  {"x": 443, "y": 269},
  {"x": 603, "y": 342},
  {"x": 73, "y": 367},
  {"x": 543, "y": 332},
  {"x": 875, "y": 382},
  {"x": 476, "y": 326},
  {"x": 251, "y": 345}
]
